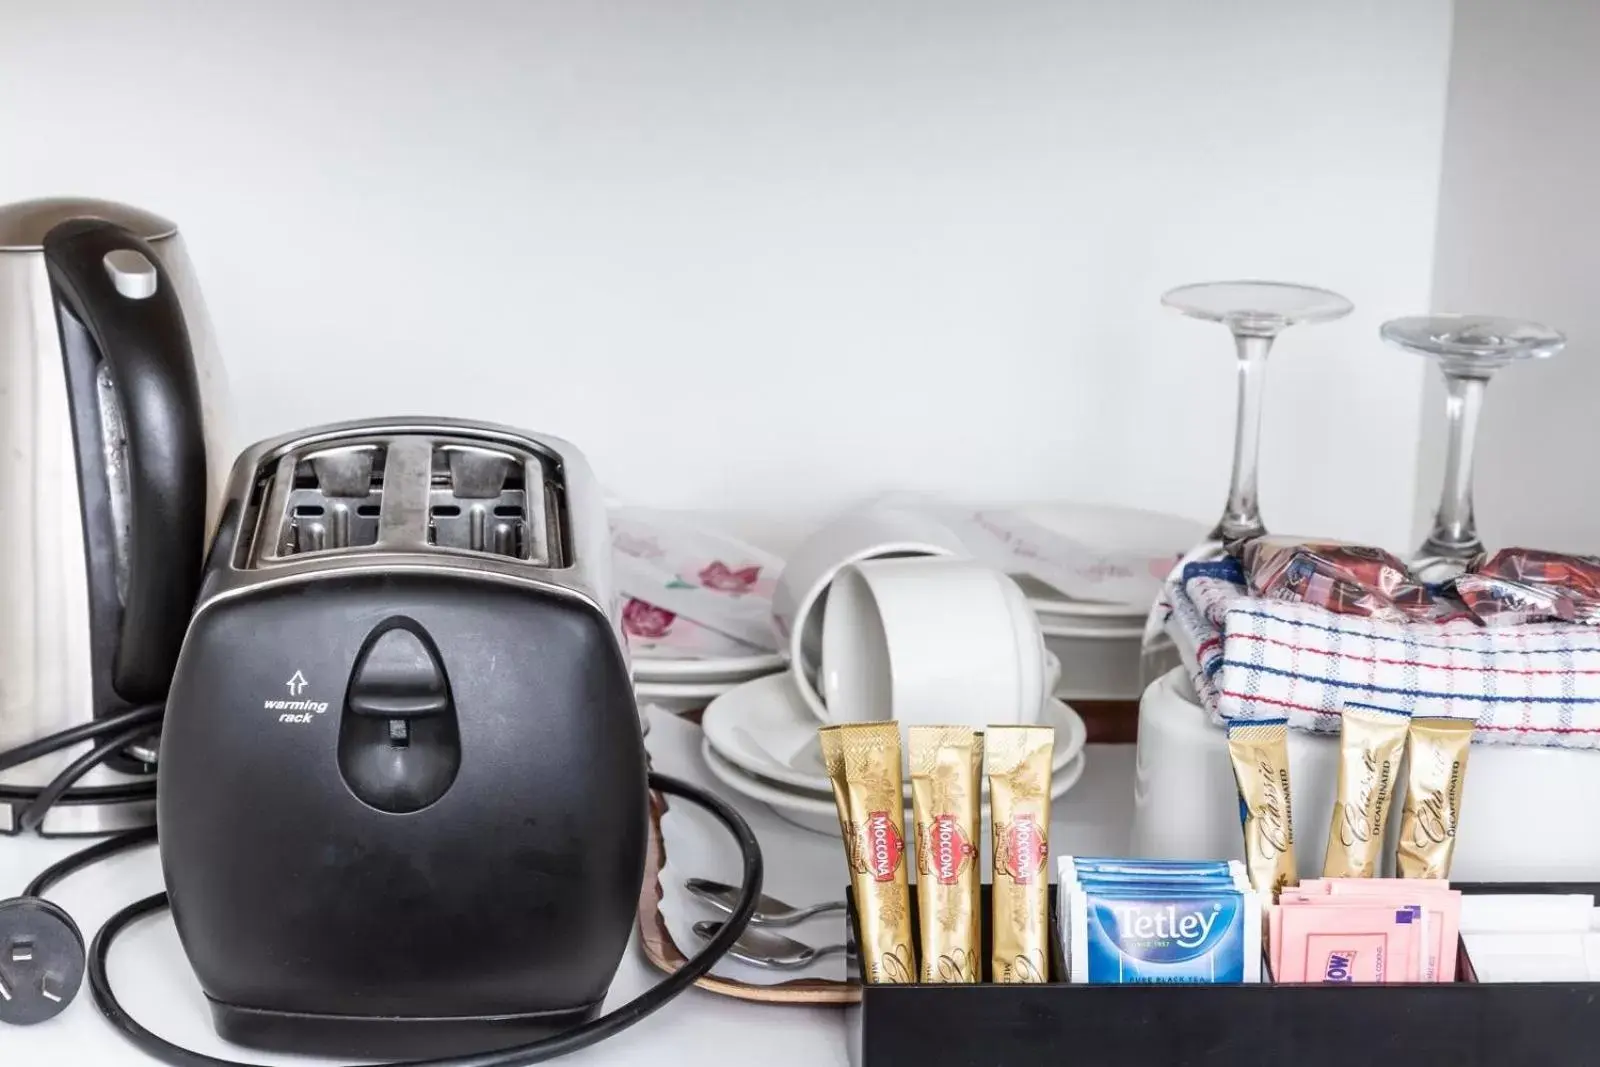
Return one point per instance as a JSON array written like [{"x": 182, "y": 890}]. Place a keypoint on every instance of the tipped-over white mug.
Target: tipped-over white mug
[
  {"x": 936, "y": 641},
  {"x": 799, "y": 602}
]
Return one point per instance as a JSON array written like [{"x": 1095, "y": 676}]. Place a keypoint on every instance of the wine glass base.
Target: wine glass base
[
  {"x": 1472, "y": 346},
  {"x": 1256, "y": 308}
]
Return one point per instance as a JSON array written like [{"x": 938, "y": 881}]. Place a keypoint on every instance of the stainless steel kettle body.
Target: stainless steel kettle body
[{"x": 112, "y": 461}]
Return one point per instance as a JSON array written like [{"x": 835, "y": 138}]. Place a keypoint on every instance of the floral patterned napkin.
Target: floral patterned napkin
[
  {"x": 656, "y": 633},
  {"x": 691, "y": 592}
]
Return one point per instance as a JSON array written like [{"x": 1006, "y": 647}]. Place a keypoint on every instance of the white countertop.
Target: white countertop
[{"x": 153, "y": 980}]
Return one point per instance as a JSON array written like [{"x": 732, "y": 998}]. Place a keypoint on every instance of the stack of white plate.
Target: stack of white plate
[
  {"x": 681, "y": 665},
  {"x": 761, "y": 742},
  {"x": 1098, "y": 643},
  {"x": 680, "y": 685}
]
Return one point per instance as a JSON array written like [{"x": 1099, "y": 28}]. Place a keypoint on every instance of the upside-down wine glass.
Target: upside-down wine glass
[
  {"x": 1469, "y": 349},
  {"x": 1255, "y": 313}
]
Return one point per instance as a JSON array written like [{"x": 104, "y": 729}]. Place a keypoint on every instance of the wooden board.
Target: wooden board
[{"x": 1109, "y": 722}]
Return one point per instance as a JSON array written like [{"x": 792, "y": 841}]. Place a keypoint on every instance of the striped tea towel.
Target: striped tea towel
[{"x": 1252, "y": 658}]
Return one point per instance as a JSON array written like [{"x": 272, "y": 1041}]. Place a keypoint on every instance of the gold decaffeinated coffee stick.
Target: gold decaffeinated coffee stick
[
  {"x": 1017, "y": 762},
  {"x": 1370, "y": 743},
  {"x": 1260, "y": 754},
  {"x": 946, "y": 765},
  {"x": 1436, "y": 756},
  {"x": 863, "y": 761}
]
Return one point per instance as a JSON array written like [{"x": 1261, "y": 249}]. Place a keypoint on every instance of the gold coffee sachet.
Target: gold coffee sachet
[
  {"x": 946, "y": 765},
  {"x": 863, "y": 761},
  {"x": 1017, "y": 762},
  {"x": 1370, "y": 743},
  {"x": 1436, "y": 755},
  {"x": 1260, "y": 754}
]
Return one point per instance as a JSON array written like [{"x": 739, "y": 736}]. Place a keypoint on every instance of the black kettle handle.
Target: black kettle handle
[{"x": 145, "y": 344}]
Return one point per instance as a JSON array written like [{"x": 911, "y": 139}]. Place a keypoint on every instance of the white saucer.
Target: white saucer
[
  {"x": 764, "y": 730},
  {"x": 681, "y": 690},
  {"x": 820, "y": 814},
  {"x": 1076, "y": 629},
  {"x": 724, "y": 669},
  {"x": 677, "y": 698},
  {"x": 671, "y": 705}
]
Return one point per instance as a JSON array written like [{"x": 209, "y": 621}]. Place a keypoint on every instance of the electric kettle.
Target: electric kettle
[{"x": 111, "y": 469}]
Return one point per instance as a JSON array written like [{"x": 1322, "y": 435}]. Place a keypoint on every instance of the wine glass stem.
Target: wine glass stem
[
  {"x": 1454, "y": 530},
  {"x": 1242, "y": 518}
]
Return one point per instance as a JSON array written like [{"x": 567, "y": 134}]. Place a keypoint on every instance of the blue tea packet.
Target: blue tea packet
[
  {"x": 1175, "y": 879},
  {"x": 1124, "y": 934},
  {"x": 1077, "y": 870},
  {"x": 1120, "y": 865}
]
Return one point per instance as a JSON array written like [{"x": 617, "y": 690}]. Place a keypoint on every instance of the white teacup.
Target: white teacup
[
  {"x": 932, "y": 641},
  {"x": 800, "y": 598}
]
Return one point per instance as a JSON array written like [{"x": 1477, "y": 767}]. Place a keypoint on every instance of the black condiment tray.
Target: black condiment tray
[{"x": 1461, "y": 1024}]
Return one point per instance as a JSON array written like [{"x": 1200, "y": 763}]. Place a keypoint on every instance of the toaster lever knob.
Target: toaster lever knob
[
  {"x": 398, "y": 678},
  {"x": 399, "y": 742}
]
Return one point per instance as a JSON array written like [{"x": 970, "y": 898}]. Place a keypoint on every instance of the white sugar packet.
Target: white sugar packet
[
  {"x": 1528, "y": 957},
  {"x": 1529, "y": 937},
  {"x": 1526, "y": 913},
  {"x": 721, "y": 583}
]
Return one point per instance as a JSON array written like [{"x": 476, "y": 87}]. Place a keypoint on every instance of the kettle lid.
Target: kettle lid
[{"x": 23, "y": 225}]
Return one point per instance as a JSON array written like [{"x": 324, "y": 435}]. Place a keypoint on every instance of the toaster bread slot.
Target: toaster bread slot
[
  {"x": 434, "y": 494},
  {"x": 479, "y": 501},
  {"x": 332, "y": 499}
]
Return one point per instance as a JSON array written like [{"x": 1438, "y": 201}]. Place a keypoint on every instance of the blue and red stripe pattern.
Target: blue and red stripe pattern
[{"x": 1252, "y": 658}]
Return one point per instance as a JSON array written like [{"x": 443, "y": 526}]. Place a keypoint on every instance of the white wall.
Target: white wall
[
  {"x": 781, "y": 254},
  {"x": 1519, "y": 234}
]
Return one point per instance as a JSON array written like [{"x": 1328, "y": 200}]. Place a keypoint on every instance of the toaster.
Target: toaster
[{"x": 402, "y": 797}]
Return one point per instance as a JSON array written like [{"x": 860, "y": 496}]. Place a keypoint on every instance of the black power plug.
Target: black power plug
[{"x": 41, "y": 960}]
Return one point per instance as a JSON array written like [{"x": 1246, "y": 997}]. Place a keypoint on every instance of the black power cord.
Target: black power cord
[
  {"x": 58, "y": 932},
  {"x": 147, "y": 715},
  {"x": 123, "y": 729},
  {"x": 45, "y": 960},
  {"x": 33, "y": 815}
]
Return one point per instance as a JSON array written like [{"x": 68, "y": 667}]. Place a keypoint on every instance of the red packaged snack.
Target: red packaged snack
[
  {"x": 1518, "y": 585},
  {"x": 1348, "y": 579}
]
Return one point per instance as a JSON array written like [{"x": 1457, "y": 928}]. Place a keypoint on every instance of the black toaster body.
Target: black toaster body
[{"x": 402, "y": 809}]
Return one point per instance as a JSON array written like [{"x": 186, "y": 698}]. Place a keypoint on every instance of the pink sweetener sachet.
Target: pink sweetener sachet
[
  {"x": 1443, "y": 907},
  {"x": 1325, "y": 941},
  {"x": 1431, "y": 945}
]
